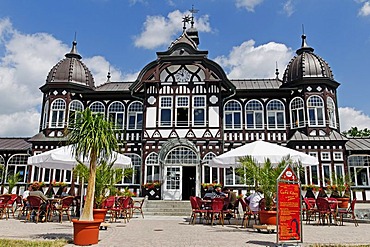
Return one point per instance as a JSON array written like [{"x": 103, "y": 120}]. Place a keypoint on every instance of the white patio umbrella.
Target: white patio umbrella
[
  {"x": 260, "y": 151},
  {"x": 63, "y": 158}
]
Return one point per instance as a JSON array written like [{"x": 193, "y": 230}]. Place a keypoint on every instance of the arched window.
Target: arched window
[
  {"x": 136, "y": 163},
  {"x": 135, "y": 116},
  {"x": 254, "y": 114},
  {"x": 297, "y": 113},
  {"x": 2, "y": 168},
  {"x": 232, "y": 115},
  {"x": 45, "y": 117},
  {"x": 331, "y": 113},
  {"x": 74, "y": 107},
  {"x": 97, "y": 108},
  {"x": 315, "y": 108},
  {"x": 116, "y": 113},
  {"x": 210, "y": 174},
  {"x": 152, "y": 168},
  {"x": 58, "y": 109},
  {"x": 18, "y": 164},
  {"x": 275, "y": 115}
]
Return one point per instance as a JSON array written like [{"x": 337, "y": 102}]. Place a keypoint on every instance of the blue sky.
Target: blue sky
[{"x": 247, "y": 37}]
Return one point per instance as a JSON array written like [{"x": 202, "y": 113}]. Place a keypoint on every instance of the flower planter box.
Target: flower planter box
[{"x": 152, "y": 193}]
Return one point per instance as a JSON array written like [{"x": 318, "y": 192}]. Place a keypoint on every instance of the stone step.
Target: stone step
[{"x": 167, "y": 208}]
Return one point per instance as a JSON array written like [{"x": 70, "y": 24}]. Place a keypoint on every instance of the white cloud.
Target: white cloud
[
  {"x": 21, "y": 123},
  {"x": 248, "y": 4},
  {"x": 289, "y": 7},
  {"x": 159, "y": 30},
  {"x": 365, "y": 9},
  {"x": 248, "y": 61},
  {"x": 350, "y": 117},
  {"x": 24, "y": 66}
]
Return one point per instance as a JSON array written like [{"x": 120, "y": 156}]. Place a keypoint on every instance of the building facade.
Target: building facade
[{"x": 183, "y": 110}]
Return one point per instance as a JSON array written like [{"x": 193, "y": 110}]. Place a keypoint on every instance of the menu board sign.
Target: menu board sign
[{"x": 289, "y": 207}]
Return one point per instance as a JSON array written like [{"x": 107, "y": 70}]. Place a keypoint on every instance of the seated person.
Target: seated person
[
  {"x": 64, "y": 192},
  {"x": 210, "y": 194},
  {"x": 254, "y": 200},
  {"x": 26, "y": 193},
  {"x": 36, "y": 192},
  {"x": 219, "y": 192},
  {"x": 231, "y": 198}
]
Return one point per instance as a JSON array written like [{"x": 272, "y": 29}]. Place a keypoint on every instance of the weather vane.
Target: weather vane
[{"x": 193, "y": 11}]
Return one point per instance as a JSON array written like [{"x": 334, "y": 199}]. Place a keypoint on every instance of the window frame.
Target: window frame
[
  {"x": 137, "y": 115},
  {"x": 295, "y": 111},
  {"x": 197, "y": 108},
  {"x": 233, "y": 113},
  {"x": 275, "y": 113},
  {"x": 167, "y": 107},
  {"x": 313, "y": 109},
  {"x": 59, "y": 112},
  {"x": 253, "y": 113},
  {"x": 114, "y": 113}
]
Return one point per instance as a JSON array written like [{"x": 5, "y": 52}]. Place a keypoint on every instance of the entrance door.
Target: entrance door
[
  {"x": 172, "y": 183},
  {"x": 188, "y": 182}
]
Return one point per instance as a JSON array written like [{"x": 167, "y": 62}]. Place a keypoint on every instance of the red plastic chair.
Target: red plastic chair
[
  {"x": 65, "y": 207},
  {"x": 125, "y": 207},
  {"x": 310, "y": 208},
  {"x": 4, "y": 199},
  {"x": 37, "y": 206},
  {"x": 196, "y": 209},
  {"x": 324, "y": 210},
  {"x": 217, "y": 209},
  {"x": 349, "y": 211},
  {"x": 11, "y": 205}
]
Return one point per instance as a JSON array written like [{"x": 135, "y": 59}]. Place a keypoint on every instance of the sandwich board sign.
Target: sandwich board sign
[{"x": 289, "y": 207}]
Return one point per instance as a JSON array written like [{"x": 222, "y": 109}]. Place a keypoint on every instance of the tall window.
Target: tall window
[
  {"x": 331, "y": 113},
  {"x": 152, "y": 168},
  {"x": 315, "y": 107},
  {"x": 58, "y": 109},
  {"x": 136, "y": 163},
  {"x": 233, "y": 113},
  {"x": 116, "y": 113},
  {"x": 166, "y": 111},
  {"x": 359, "y": 168},
  {"x": 275, "y": 115},
  {"x": 182, "y": 111},
  {"x": 210, "y": 174},
  {"x": 74, "y": 107},
  {"x": 135, "y": 116},
  {"x": 45, "y": 118},
  {"x": 199, "y": 109},
  {"x": 254, "y": 114},
  {"x": 297, "y": 113},
  {"x": 97, "y": 108}
]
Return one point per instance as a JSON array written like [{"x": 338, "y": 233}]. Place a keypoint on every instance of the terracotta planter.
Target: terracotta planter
[
  {"x": 267, "y": 217},
  {"x": 85, "y": 232},
  {"x": 99, "y": 213},
  {"x": 343, "y": 202}
]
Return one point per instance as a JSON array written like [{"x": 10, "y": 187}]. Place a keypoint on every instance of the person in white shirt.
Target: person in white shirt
[
  {"x": 254, "y": 200},
  {"x": 26, "y": 193}
]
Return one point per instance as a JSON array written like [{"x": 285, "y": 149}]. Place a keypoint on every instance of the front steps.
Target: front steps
[{"x": 167, "y": 208}]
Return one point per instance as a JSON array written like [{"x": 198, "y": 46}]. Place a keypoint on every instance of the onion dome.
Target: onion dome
[
  {"x": 71, "y": 70},
  {"x": 306, "y": 64}
]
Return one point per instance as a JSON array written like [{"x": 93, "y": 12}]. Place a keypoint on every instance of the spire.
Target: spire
[
  {"x": 277, "y": 71},
  {"x": 192, "y": 32},
  {"x": 73, "y": 53},
  {"x": 304, "y": 46}
]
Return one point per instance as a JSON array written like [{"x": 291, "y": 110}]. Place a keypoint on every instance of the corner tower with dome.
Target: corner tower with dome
[{"x": 183, "y": 110}]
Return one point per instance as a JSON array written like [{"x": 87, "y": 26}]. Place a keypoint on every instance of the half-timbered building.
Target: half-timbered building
[{"x": 183, "y": 110}]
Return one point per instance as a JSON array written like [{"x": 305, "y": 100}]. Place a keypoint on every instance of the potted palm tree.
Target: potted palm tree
[
  {"x": 92, "y": 138},
  {"x": 263, "y": 176}
]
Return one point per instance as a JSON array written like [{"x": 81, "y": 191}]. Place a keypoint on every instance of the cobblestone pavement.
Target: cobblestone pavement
[{"x": 176, "y": 231}]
